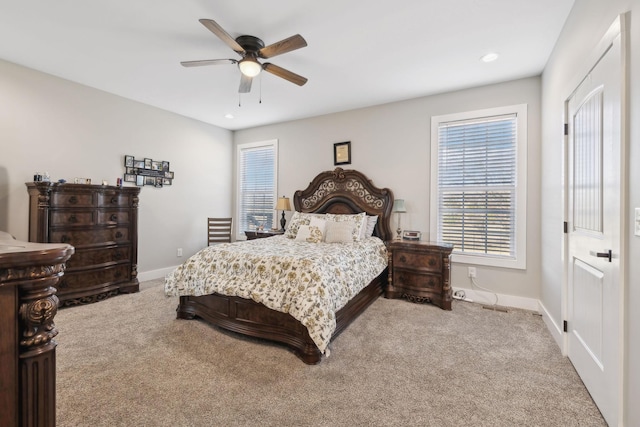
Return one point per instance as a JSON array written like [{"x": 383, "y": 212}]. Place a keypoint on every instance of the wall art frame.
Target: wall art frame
[{"x": 342, "y": 153}]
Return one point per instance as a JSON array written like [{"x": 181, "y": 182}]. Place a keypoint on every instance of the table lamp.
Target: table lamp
[
  {"x": 398, "y": 207},
  {"x": 283, "y": 205}
]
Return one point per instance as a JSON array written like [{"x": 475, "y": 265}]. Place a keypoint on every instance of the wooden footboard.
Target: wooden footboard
[{"x": 248, "y": 317}]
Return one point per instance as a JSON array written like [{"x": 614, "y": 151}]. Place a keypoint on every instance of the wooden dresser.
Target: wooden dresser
[
  {"x": 28, "y": 304},
  {"x": 101, "y": 222},
  {"x": 420, "y": 272}
]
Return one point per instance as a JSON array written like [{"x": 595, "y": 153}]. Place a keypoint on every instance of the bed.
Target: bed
[{"x": 338, "y": 192}]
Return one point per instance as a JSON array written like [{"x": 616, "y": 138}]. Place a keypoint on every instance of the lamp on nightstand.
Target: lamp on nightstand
[
  {"x": 283, "y": 205},
  {"x": 398, "y": 207}
]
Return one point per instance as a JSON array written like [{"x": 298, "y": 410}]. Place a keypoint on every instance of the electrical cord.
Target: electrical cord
[{"x": 473, "y": 281}]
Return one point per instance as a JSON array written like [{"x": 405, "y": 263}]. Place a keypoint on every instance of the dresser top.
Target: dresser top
[
  {"x": 15, "y": 253},
  {"x": 419, "y": 244},
  {"x": 59, "y": 186}
]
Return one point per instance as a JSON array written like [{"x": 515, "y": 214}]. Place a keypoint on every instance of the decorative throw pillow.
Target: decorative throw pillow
[
  {"x": 358, "y": 220},
  {"x": 298, "y": 219},
  {"x": 309, "y": 233},
  {"x": 339, "y": 232},
  {"x": 320, "y": 223}
]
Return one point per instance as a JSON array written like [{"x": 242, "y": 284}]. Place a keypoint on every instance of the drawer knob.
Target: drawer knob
[
  {"x": 119, "y": 235},
  {"x": 73, "y": 200},
  {"x": 118, "y": 256},
  {"x": 114, "y": 200},
  {"x": 432, "y": 262},
  {"x": 403, "y": 258},
  {"x": 114, "y": 217},
  {"x": 73, "y": 219}
]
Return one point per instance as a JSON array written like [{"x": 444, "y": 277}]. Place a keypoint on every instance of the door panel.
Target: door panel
[{"x": 594, "y": 297}]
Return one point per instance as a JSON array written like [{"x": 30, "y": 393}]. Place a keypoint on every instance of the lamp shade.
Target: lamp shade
[
  {"x": 283, "y": 204},
  {"x": 398, "y": 206}
]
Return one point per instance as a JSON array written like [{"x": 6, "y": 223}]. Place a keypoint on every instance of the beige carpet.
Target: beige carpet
[{"x": 127, "y": 361}]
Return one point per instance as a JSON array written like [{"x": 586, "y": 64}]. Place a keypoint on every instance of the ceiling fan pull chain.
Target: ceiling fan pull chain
[
  {"x": 239, "y": 100},
  {"x": 260, "y": 83}
]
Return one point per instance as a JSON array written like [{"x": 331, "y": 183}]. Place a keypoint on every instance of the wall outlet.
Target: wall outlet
[
  {"x": 179, "y": 252},
  {"x": 471, "y": 272}
]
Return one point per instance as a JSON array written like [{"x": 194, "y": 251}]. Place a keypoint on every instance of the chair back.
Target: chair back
[{"x": 218, "y": 230}]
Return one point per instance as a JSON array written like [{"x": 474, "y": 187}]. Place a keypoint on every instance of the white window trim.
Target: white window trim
[
  {"x": 520, "y": 262},
  {"x": 273, "y": 142}
]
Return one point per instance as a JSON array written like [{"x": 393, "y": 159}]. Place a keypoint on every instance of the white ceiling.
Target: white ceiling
[{"x": 360, "y": 52}]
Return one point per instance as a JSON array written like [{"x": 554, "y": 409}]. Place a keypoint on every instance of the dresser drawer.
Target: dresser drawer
[
  {"x": 89, "y": 237},
  {"x": 98, "y": 256},
  {"x": 413, "y": 281},
  {"x": 72, "y": 217},
  {"x": 113, "y": 217},
  {"x": 113, "y": 199},
  {"x": 84, "y": 280},
  {"x": 425, "y": 261},
  {"x": 72, "y": 200}
]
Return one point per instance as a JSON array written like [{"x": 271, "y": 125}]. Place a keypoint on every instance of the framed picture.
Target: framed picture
[
  {"x": 166, "y": 181},
  {"x": 128, "y": 161},
  {"x": 342, "y": 153},
  {"x": 156, "y": 166},
  {"x": 129, "y": 177},
  {"x": 165, "y": 166},
  {"x": 168, "y": 174},
  {"x": 158, "y": 182},
  {"x": 147, "y": 163},
  {"x": 150, "y": 180},
  {"x": 139, "y": 180},
  {"x": 138, "y": 164}
]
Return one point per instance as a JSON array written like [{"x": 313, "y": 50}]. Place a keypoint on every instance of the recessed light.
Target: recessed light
[
  {"x": 229, "y": 116},
  {"x": 489, "y": 57}
]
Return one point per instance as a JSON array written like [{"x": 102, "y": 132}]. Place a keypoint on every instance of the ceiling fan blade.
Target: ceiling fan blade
[
  {"x": 285, "y": 74},
  {"x": 222, "y": 34},
  {"x": 283, "y": 46},
  {"x": 245, "y": 84},
  {"x": 208, "y": 62}
]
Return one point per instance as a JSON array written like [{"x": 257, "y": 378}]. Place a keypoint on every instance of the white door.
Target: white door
[{"x": 594, "y": 299}]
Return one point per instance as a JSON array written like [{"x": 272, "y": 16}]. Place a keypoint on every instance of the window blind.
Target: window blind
[
  {"x": 477, "y": 185},
  {"x": 257, "y": 187}
]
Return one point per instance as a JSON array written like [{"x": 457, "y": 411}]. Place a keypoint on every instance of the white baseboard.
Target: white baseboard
[
  {"x": 155, "y": 274},
  {"x": 483, "y": 297},
  {"x": 556, "y": 330}
]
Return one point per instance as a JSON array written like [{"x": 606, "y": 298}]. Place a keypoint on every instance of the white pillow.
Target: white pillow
[
  {"x": 339, "y": 232},
  {"x": 359, "y": 221},
  {"x": 371, "y": 225}
]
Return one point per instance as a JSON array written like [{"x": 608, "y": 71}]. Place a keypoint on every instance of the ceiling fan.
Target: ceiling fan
[{"x": 251, "y": 48}]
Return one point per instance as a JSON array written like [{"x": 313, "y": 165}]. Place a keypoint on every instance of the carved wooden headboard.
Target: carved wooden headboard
[{"x": 347, "y": 191}]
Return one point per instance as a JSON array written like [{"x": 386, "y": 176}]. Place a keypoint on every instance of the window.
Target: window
[
  {"x": 257, "y": 168},
  {"x": 478, "y": 194}
]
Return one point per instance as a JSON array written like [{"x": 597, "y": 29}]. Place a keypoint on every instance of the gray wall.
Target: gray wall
[
  {"x": 586, "y": 25},
  {"x": 69, "y": 130},
  {"x": 391, "y": 145}
]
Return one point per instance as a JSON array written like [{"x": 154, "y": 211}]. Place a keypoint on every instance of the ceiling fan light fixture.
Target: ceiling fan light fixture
[{"x": 249, "y": 67}]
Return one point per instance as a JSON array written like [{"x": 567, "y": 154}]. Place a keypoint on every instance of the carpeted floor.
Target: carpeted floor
[{"x": 127, "y": 361}]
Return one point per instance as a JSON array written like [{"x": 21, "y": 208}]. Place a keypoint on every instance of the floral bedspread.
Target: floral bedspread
[{"x": 310, "y": 281}]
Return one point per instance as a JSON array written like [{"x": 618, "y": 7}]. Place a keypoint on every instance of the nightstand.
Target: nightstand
[
  {"x": 262, "y": 234},
  {"x": 420, "y": 272}
]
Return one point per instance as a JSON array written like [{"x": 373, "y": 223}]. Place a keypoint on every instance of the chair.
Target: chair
[{"x": 219, "y": 230}]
